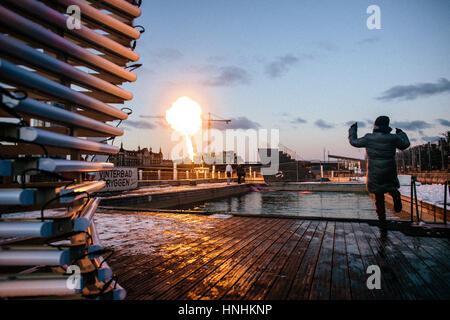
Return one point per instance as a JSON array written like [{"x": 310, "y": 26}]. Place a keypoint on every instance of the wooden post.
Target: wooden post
[
  {"x": 442, "y": 142},
  {"x": 175, "y": 173},
  {"x": 429, "y": 156}
]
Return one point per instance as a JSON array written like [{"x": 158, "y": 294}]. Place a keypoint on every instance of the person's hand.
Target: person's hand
[
  {"x": 355, "y": 125},
  {"x": 397, "y": 130}
]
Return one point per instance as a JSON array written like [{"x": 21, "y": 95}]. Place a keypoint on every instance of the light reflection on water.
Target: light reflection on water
[{"x": 294, "y": 203}]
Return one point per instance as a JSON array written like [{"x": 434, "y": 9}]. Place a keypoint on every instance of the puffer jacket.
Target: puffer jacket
[{"x": 381, "y": 148}]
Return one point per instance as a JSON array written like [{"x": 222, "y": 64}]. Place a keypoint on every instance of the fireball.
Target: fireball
[{"x": 184, "y": 116}]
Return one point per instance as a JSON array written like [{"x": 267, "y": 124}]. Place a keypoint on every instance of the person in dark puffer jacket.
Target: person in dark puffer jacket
[{"x": 381, "y": 147}]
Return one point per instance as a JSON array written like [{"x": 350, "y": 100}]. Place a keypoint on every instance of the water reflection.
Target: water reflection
[{"x": 316, "y": 204}]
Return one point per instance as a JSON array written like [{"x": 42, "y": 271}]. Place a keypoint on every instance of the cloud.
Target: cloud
[
  {"x": 411, "y": 92},
  {"x": 298, "y": 120},
  {"x": 236, "y": 123},
  {"x": 138, "y": 124},
  {"x": 444, "y": 122},
  {"x": 430, "y": 139},
  {"x": 328, "y": 46},
  {"x": 323, "y": 124},
  {"x": 361, "y": 124},
  {"x": 281, "y": 65},
  {"x": 227, "y": 76},
  {"x": 411, "y": 125},
  {"x": 169, "y": 54},
  {"x": 367, "y": 41},
  {"x": 413, "y": 139}
]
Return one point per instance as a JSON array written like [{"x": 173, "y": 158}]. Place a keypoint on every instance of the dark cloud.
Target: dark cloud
[
  {"x": 411, "y": 125},
  {"x": 298, "y": 120},
  {"x": 138, "y": 124},
  {"x": 323, "y": 124},
  {"x": 327, "y": 46},
  {"x": 227, "y": 76},
  {"x": 368, "y": 41},
  {"x": 281, "y": 65},
  {"x": 169, "y": 54},
  {"x": 444, "y": 122},
  {"x": 163, "y": 124},
  {"x": 236, "y": 123},
  {"x": 414, "y": 91},
  {"x": 361, "y": 124},
  {"x": 430, "y": 139}
]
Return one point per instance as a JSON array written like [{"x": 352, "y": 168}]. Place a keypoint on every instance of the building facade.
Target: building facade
[{"x": 137, "y": 158}]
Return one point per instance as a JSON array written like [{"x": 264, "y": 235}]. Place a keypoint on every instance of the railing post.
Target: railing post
[
  {"x": 175, "y": 175},
  {"x": 412, "y": 198},
  {"x": 415, "y": 199},
  {"x": 446, "y": 190}
]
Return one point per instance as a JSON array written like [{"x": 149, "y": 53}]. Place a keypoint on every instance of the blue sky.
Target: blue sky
[{"x": 305, "y": 67}]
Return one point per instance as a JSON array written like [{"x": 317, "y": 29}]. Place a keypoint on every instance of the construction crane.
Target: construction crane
[{"x": 208, "y": 120}]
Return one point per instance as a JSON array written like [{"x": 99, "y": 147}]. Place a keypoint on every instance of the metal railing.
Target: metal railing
[{"x": 414, "y": 202}]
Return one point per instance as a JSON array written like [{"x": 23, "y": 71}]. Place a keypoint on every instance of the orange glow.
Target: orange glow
[{"x": 184, "y": 116}]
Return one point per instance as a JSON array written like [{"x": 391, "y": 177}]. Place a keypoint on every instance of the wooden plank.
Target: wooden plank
[
  {"x": 268, "y": 262},
  {"x": 185, "y": 267},
  {"x": 369, "y": 259},
  {"x": 301, "y": 285},
  {"x": 436, "y": 252},
  {"x": 229, "y": 279},
  {"x": 440, "y": 244},
  {"x": 142, "y": 279},
  {"x": 194, "y": 286},
  {"x": 340, "y": 280},
  {"x": 280, "y": 288},
  {"x": 272, "y": 273},
  {"x": 321, "y": 282},
  {"x": 177, "y": 252},
  {"x": 356, "y": 267},
  {"x": 435, "y": 276},
  {"x": 177, "y": 246},
  {"x": 414, "y": 283}
]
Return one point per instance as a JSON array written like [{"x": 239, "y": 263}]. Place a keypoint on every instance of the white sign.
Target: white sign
[{"x": 119, "y": 178}]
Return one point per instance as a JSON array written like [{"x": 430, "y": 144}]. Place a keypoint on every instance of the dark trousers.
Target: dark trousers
[
  {"x": 241, "y": 178},
  {"x": 380, "y": 206}
]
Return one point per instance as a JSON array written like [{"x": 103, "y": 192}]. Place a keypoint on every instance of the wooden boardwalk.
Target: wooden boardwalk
[{"x": 270, "y": 258}]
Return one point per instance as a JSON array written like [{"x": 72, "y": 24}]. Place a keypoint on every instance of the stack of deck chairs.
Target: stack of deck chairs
[{"x": 62, "y": 63}]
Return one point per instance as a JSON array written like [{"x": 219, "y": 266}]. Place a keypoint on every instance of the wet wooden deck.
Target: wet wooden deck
[{"x": 269, "y": 258}]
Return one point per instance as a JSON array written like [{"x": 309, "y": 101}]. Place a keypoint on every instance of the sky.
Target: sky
[{"x": 309, "y": 68}]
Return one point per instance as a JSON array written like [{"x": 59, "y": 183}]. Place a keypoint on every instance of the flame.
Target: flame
[{"x": 184, "y": 116}]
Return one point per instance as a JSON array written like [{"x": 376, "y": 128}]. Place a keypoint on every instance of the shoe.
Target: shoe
[{"x": 397, "y": 201}]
